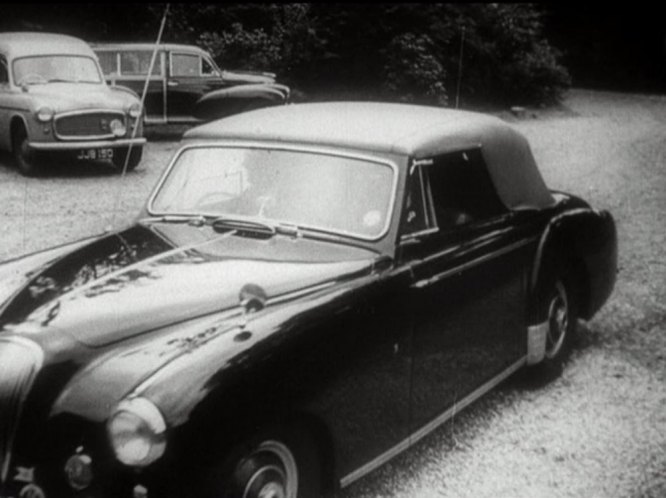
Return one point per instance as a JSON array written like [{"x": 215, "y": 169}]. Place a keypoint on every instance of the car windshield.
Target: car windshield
[
  {"x": 339, "y": 194},
  {"x": 55, "y": 68}
]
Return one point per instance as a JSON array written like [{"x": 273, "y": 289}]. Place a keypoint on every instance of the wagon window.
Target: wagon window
[
  {"x": 462, "y": 190},
  {"x": 109, "y": 62},
  {"x": 187, "y": 65},
  {"x": 137, "y": 63}
]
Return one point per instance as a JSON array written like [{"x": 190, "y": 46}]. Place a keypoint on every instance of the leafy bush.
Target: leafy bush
[{"x": 412, "y": 72}]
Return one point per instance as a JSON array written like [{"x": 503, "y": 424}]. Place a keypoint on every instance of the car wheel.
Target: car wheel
[
  {"x": 24, "y": 157},
  {"x": 562, "y": 316},
  {"x": 275, "y": 465},
  {"x": 120, "y": 155}
]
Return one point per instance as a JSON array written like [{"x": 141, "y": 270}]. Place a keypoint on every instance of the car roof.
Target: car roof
[
  {"x": 26, "y": 43},
  {"x": 404, "y": 129},
  {"x": 147, "y": 46}
]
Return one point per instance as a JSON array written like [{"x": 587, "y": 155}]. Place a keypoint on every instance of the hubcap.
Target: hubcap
[
  {"x": 277, "y": 475},
  {"x": 558, "y": 321}
]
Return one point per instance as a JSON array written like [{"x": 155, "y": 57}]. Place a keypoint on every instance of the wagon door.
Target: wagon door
[
  {"x": 129, "y": 68},
  {"x": 468, "y": 265}
]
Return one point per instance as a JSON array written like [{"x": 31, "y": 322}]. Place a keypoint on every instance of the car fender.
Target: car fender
[
  {"x": 233, "y": 100},
  {"x": 586, "y": 240}
]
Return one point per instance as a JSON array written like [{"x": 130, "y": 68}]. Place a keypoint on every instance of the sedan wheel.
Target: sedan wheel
[
  {"x": 558, "y": 321},
  {"x": 24, "y": 157},
  {"x": 269, "y": 472}
]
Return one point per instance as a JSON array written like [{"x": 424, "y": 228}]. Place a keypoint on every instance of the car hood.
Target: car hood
[
  {"x": 151, "y": 276},
  {"x": 63, "y": 97}
]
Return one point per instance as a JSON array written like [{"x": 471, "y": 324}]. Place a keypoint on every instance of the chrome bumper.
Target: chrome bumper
[{"x": 96, "y": 144}]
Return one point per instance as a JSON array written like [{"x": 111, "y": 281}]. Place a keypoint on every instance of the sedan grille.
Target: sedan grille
[
  {"x": 93, "y": 125},
  {"x": 20, "y": 360}
]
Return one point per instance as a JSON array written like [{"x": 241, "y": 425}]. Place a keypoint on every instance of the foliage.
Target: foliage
[
  {"x": 404, "y": 52},
  {"x": 412, "y": 72}
]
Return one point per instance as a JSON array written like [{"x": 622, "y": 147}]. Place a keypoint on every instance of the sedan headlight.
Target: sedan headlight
[
  {"x": 134, "y": 110},
  {"x": 137, "y": 432},
  {"x": 45, "y": 114}
]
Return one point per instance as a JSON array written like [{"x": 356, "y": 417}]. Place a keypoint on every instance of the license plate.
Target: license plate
[{"x": 95, "y": 154}]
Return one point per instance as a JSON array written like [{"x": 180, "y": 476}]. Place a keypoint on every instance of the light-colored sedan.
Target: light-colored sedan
[{"x": 53, "y": 99}]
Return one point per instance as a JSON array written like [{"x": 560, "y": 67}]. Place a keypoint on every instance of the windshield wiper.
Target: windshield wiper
[
  {"x": 192, "y": 219},
  {"x": 243, "y": 226}
]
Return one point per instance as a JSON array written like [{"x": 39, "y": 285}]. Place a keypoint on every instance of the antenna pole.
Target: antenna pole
[
  {"x": 143, "y": 99},
  {"x": 460, "y": 59}
]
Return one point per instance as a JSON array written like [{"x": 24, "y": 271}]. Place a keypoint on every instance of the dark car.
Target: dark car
[
  {"x": 309, "y": 290},
  {"x": 186, "y": 86},
  {"x": 53, "y": 100}
]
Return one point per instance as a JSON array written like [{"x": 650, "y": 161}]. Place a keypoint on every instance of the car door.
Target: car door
[
  {"x": 129, "y": 67},
  {"x": 468, "y": 260},
  {"x": 190, "y": 77}
]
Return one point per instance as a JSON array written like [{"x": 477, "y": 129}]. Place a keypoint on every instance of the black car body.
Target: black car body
[
  {"x": 309, "y": 290},
  {"x": 186, "y": 86}
]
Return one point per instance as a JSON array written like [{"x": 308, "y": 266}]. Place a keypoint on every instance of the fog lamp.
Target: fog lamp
[
  {"x": 79, "y": 471},
  {"x": 117, "y": 128},
  {"x": 45, "y": 114}
]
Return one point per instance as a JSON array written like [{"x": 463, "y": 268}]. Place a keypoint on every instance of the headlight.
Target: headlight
[
  {"x": 137, "y": 432},
  {"x": 134, "y": 111},
  {"x": 45, "y": 114}
]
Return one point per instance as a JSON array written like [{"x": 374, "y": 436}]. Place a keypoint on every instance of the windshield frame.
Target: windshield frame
[
  {"x": 100, "y": 74},
  {"x": 328, "y": 151}
]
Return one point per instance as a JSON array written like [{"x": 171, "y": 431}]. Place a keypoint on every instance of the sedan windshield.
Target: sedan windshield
[
  {"x": 55, "y": 68},
  {"x": 343, "y": 195}
]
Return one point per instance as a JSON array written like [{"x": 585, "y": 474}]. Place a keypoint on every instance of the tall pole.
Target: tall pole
[{"x": 460, "y": 58}]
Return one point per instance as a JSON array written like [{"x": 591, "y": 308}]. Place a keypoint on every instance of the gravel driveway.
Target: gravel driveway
[{"x": 597, "y": 430}]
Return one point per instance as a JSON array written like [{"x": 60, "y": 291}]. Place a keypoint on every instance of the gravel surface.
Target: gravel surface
[{"x": 596, "y": 430}]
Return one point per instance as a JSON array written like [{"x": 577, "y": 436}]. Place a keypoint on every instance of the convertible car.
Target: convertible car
[{"x": 308, "y": 291}]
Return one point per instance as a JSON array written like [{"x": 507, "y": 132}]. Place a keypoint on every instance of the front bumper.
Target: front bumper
[{"x": 96, "y": 144}]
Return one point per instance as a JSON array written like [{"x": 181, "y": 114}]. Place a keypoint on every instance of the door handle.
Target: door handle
[{"x": 172, "y": 83}]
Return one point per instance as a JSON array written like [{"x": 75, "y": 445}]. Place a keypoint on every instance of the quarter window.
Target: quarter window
[{"x": 415, "y": 216}]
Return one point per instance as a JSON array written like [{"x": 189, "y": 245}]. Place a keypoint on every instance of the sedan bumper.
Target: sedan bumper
[{"x": 97, "y": 144}]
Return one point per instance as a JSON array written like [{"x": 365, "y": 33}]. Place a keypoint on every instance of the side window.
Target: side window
[
  {"x": 415, "y": 215},
  {"x": 4, "y": 73},
  {"x": 462, "y": 190},
  {"x": 137, "y": 63},
  {"x": 186, "y": 65},
  {"x": 109, "y": 63}
]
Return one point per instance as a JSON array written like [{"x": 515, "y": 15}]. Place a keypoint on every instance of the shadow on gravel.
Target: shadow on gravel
[{"x": 165, "y": 133}]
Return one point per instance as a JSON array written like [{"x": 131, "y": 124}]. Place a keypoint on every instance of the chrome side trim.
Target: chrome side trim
[
  {"x": 482, "y": 259},
  {"x": 431, "y": 426},
  {"x": 536, "y": 342}
]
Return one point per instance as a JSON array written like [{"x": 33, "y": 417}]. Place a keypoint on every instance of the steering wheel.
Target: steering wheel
[{"x": 32, "y": 78}]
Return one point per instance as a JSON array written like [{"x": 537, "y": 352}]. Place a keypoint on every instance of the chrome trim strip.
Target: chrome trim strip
[
  {"x": 536, "y": 342},
  {"x": 431, "y": 426},
  {"x": 58, "y": 146},
  {"x": 330, "y": 151},
  {"x": 482, "y": 259}
]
